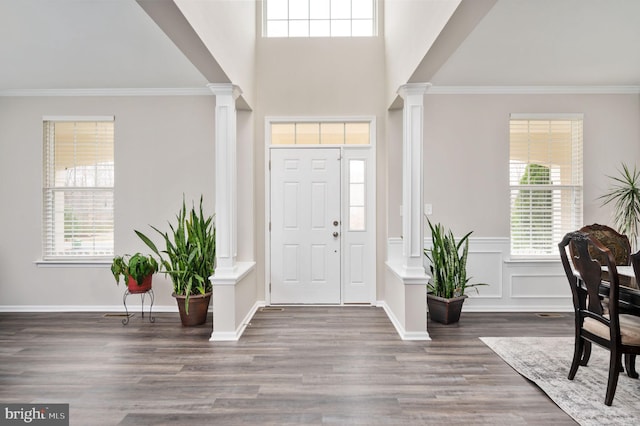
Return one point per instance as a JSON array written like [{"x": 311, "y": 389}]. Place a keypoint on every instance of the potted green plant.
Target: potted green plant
[
  {"x": 138, "y": 270},
  {"x": 448, "y": 266},
  {"x": 189, "y": 259},
  {"x": 624, "y": 193}
]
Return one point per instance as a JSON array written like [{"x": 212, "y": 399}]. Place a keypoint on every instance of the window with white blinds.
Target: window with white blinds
[
  {"x": 545, "y": 178},
  {"x": 78, "y": 188}
]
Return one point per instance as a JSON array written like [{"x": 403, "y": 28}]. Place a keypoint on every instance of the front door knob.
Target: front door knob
[{"x": 335, "y": 235}]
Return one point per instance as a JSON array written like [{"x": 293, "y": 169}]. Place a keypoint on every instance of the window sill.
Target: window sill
[{"x": 63, "y": 263}]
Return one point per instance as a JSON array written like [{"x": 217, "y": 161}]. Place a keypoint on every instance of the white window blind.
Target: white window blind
[
  {"x": 78, "y": 188},
  {"x": 545, "y": 173}
]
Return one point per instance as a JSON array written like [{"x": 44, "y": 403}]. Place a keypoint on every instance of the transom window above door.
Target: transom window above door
[
  {"x": 319, "y": 18},
  {"x": 321, "y": 133}
]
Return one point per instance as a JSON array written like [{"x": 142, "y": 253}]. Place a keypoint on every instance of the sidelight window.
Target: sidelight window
[{"x": 357, "y": 193}]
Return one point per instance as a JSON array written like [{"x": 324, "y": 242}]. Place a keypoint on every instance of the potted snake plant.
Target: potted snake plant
[
  {"x": 449, "y": 280},
  {"x": 189, "y": 260}
]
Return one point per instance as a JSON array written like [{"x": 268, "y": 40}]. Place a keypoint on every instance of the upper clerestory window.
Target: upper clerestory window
[{"x": 319, "y": 18}]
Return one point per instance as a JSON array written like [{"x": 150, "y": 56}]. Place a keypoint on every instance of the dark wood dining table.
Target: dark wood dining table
[{"x": 629, "y": 296}]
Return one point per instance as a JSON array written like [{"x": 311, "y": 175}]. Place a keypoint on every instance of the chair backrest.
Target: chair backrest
[
  {"x": 617, "y": 243},
  {"x": 576, "y": 290},
  {"x": 635, "y": 261},
  {"x": 589, "y": 270}
]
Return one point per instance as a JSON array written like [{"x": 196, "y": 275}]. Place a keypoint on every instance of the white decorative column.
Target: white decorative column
[
  {"x": 233, "y": 282},
  {"x": 412, "y": 177},
  {"x": 226, "y": 186},
  {"x": 406, "y": 279}
]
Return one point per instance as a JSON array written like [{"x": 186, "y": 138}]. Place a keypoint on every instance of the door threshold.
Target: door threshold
[
  {"x": 320, "y": 305},
  {"x": 271, "y": 309}
]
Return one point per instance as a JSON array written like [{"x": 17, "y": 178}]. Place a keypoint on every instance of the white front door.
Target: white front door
[{"x": 305, "y": 226}]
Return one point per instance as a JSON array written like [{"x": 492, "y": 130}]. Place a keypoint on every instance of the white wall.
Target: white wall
[
  {"x": 164, "y": 147},
  {"x": 466, "y": 154},
  {"x": 410, "y": 28},
  {"x": 319, "y": 78},
  {"x": 228, "y": 29},
  {"x": 466, "y": 171}
]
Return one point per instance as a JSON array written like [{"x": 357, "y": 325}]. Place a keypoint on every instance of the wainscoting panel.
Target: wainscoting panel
[
  {"x": 539, "y": 286},
  {"x": 484, "y": 265},
  {"x": 514, "y": 285}
]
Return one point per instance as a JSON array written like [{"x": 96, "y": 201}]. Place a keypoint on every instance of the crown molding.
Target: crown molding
[
  {"x": 185, "y": 91},
  {"x": 533, "y": 90},
  {"x": 429, "y": 90}
]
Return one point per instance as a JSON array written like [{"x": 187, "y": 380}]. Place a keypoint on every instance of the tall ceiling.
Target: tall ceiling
[
  {"x": 550, "y": 43},
  {"x": 81, "y": 44}
]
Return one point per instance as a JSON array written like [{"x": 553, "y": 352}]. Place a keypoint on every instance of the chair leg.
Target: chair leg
[
  {"x": 586, "y": 353},
  {"x": 630, "y": 365},
  {"x": 615, "y": 362},
  {"x": 579, "y": 348}
]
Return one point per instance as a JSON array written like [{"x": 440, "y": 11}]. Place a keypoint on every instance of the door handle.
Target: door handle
[
  {"x": 335, "y": 234},
  {"x": 336, "y": 223}
]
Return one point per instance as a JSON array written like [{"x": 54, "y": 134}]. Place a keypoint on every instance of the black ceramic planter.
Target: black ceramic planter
[{"x": 445, "y": 311}]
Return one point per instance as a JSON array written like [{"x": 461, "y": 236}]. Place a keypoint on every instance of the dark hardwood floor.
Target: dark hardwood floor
[{"x": 299, "y": 365}]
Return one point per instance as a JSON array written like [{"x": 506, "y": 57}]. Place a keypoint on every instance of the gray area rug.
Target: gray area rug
[{"x": 546, "y": 362}]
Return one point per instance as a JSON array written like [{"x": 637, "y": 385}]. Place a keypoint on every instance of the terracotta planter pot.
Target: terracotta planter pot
[
  {"x": 198, "y": 308},
  {"x": 445, "y": 311},
  {"x": 133, "y": 286}
]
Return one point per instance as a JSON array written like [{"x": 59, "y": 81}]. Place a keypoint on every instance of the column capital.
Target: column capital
[
  {"x": 228, "y": 89},
  {"x": 413, "y": 89}
]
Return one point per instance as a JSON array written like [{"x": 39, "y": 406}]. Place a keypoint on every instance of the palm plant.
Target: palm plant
[
  {"x": 448, "y": 265},
  {"x": 190, "y": 252},
  {"x": 625, "y": 196}
]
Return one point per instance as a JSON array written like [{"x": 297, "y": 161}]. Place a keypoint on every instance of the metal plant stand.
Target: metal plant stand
[{"x": 142, "y": 294}]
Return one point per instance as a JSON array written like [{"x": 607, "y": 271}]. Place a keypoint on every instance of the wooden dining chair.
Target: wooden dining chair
[
  {"x": 635, "y": 261},
  {"x": 616, "y": 242},
  {"x": 607, "y": 328}
]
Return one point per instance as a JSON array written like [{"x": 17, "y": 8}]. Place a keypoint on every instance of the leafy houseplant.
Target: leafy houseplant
[
  {"x": 625, "y": 196},
  {"x": 188, "y": 258},
  {"x": 136, "y": 268},
  {"x": 449, "y": 280}
]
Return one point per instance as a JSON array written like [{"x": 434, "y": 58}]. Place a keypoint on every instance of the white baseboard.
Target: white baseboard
[
  {"x": 508, "y": 308},
  {"x": 233, "y": 336},
  {"x": 86, "y": 308},
  {"x": 404, "y": 334}
]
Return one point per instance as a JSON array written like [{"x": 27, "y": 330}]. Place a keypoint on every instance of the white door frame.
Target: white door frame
[{"x": 371, "y": 202}]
